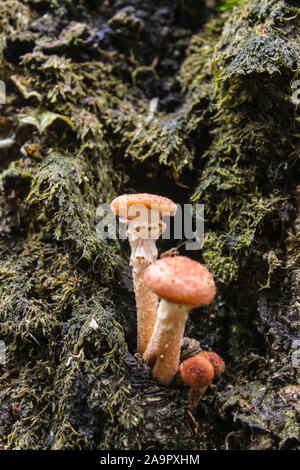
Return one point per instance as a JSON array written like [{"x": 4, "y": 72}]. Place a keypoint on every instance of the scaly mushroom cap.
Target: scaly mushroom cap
[
  {"x": 152, "y": 201},
  {"x": 197, "y": 372},
  {"x": 181, "y": 280},
  {"x": 215, "y": 360}
]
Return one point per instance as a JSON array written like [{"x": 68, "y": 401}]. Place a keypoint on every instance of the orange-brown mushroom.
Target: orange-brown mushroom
[
  {"x": 142, "y": 213},
  {"x": 182, "y": 285},
  {"x": 197, "y": 372}
]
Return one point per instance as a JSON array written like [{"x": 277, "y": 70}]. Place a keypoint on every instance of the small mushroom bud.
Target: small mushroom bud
[
  {"x": 197, "y": 375},
  {"x": 182, "y": 285},
  {"x": 142, "y": 213}
]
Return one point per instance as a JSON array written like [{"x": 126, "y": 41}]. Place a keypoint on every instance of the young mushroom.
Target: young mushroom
[
  {"x": 215, "y": 360},
  {"x": 182, "y": 285},
  {"x": 142, "y": 213},
  {"x": 198, "y": 372}
]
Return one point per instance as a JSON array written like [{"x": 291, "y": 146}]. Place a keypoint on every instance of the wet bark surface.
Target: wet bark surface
[{"x": 188, "y": 99}]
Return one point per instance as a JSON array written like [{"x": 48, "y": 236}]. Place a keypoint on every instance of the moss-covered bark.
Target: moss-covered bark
[{"x": 170, "y": 97}]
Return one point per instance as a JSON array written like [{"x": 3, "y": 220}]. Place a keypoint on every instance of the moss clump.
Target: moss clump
[{"x": 245, "y": 168}]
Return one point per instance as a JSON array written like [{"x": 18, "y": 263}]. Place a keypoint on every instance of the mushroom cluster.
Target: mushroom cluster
[{"x": 166, "y": 290}]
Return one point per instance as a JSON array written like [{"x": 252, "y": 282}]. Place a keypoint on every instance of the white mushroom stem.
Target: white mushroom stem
[
  {"x": 142, "y": 233},
  {"x": 163, "y": 350}
]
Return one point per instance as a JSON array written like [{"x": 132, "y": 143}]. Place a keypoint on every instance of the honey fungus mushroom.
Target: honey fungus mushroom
[
  {"x": 143, "y": 215},
  {"x": 197, "y": 372},
  {"x": 182, "y": 284},
  {"x": 215, "y": 360}
]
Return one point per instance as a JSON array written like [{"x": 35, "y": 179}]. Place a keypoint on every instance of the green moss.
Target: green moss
[{"x": 226, "y": 5}]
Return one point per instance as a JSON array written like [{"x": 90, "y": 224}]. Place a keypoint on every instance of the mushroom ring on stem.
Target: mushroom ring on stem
[
  {"x": 143, "y": 215},
  {"x": 182, "y": 284}
]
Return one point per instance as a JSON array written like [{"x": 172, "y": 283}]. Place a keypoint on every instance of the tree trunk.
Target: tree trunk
[{"x": 184, "y": 99}]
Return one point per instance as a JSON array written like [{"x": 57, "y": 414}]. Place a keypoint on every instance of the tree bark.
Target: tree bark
[{"x": 184, "y": 99}]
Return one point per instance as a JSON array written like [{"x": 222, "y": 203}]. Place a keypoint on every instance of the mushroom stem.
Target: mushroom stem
[
  {"x": 146, "y": 305},
  {"x": 163, "y": 350},
  {"x": 143, "y": 253}
]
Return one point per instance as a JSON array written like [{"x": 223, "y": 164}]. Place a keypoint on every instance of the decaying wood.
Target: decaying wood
[{"x": 168, "y": 97}]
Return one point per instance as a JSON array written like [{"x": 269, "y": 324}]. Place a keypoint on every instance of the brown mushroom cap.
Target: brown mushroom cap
[
  {"x": 197, "y": 372},
  {"x": 181, "y": 280},
  {"x": 215, "y": 360},
  {"x": 152, "y": 201}
]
